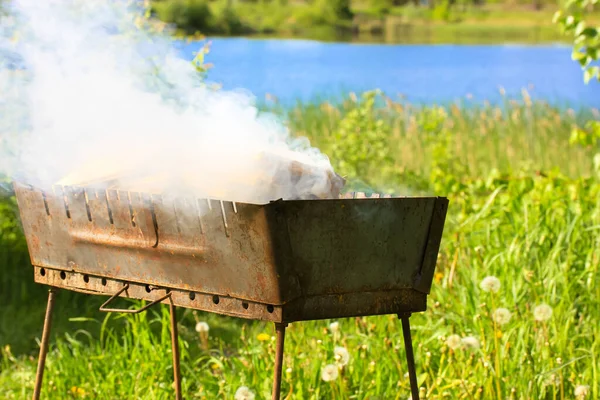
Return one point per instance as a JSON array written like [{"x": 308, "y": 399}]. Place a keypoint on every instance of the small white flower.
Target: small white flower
[
  {"x": 243, "y": 393},
  {"x": 551, "y": 380},
  {"x": 334, "y": 327},
  {"x": 202, "y": 327},
  {"x": 543, "y": 312},
  {"x": 341, "y": 355},
  {"x": 490, "y": 284},
  {"x": 502, "y": 316},
  {"x": 329, "y": 373},
  {"x": 471, "y": 342},
  {"x": 288, "y": 370},
  {"x": 453, "y": 342},
  {"x": 582, "y": 391}
]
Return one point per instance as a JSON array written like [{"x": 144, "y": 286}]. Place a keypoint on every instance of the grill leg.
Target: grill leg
[
  {"x": 39, "y": 376},
  {"x": 175, "y": 348},
  {"x": 410, "y": 358},
  {"x": 280, "y": 328}
]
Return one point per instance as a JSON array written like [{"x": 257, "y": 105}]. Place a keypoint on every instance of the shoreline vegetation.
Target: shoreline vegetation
[{"x": 387, "y": 21}]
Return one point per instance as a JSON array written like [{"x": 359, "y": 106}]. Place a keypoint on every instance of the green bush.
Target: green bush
[
  {"x": 227, "y": 21},
  {"x": 381, "y": 6},
  {"x": 333, "y": 13},
  {"x": 360, "y": 143},
  {"x": 188, "y": 15}
]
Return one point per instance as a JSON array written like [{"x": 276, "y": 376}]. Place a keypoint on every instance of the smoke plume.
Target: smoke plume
[{"x": 90, "y": 95}]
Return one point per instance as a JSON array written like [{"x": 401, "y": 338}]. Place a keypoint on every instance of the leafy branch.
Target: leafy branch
[{"x": 586, "y": 39}]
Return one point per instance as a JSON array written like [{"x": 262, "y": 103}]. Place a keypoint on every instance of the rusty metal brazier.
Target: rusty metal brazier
[{"x": 284, "y": 261}]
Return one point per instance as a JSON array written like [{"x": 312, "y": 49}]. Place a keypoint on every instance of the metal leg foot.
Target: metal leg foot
[
  {"x": 175, "y": 348},
  {"x": 39, "y": 376},
  {"x": 410, "y": 358},
  {"x": 280, "y": 328}
]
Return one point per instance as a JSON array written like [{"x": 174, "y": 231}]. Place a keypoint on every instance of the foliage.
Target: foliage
[
  {"x": 229, "y": 22},
  {"x": 388, "y": 20},
  {"x": 586, "y": 39},
  {"x": 381, "y": 6},
  {"x": 360, "y": 143},
  {"x": 337, "y": 10},
  {"x": 190, "y": 15}
]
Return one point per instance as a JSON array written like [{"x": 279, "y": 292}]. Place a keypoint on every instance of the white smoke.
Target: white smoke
[{"x": 88, "y": 93}]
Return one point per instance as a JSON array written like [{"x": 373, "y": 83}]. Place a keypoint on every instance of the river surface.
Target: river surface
[{"x": 307, "y": 70}]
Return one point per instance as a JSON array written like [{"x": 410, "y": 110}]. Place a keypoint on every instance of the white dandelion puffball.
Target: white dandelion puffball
[
  {"x": 490, "y": 284},
  {"x": 543, "y": 312},
  {"x": 243, "y": 393},
  {"x": 334, "y": 327},
  {"x": 329, "y": 373},
  {"x": 582, "y": 391},
  {"x": 471, "y": 342},
  {"x": 341, "y": 355},
  {"x": 453, "y": 342},
  {"x": 501, "y": 316},
  {"x": 202, "y": 327}
]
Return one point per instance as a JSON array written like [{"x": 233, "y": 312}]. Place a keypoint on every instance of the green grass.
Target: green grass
[{"x": 525, "y": 208}]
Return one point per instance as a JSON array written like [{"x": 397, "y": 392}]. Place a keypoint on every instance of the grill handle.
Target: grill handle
[{"x": 129, "y": 311}]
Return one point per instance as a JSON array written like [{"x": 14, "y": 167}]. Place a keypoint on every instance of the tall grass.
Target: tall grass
[{"x": 525, "y": 208}]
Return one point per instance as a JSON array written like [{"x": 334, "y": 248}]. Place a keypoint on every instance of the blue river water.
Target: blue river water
[{"x": 294, "y": 70}]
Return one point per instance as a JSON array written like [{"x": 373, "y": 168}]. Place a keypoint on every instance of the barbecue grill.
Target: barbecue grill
[{"x": 284, "y": 261}]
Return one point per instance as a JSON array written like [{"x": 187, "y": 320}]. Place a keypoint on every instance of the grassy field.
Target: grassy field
[{"x": 525, "y": 209}]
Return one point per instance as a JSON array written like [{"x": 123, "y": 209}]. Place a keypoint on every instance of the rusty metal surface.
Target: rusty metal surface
[
  {"x": 206, "y": 246},
  {"x": 410, "y": 357},
  {"x": 285, "y": 261},
  {"x": 312, "y": 308},
  {"x": 424, "y": 278},
  {"x": 175, "y": 351},
  {"x": 355, "y": 304},
  {"x": 95, "y": 285},
  {"x": 39, "y": 375},
  {"x": 280, "y": 329}
]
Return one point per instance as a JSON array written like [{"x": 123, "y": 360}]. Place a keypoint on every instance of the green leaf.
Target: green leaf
[
  {"x": 569, "y": 3},
  {"x": 591, "y": 73},
  {"x": 589, "y": 32},
  {"x": 557, "y": 16},
  {"x": 579, "y": 28},
  {"x": 577, "y": 56}
]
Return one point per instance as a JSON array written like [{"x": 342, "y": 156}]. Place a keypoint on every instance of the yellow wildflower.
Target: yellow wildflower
[
  {"x": 263, "y": 337},
  {"x": 77, "y": 391}
]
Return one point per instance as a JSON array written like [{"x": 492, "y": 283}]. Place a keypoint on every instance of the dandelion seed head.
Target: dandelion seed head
[
  {"x": 329, "y": 373},
  {"x": 244, "y": 393},
  {"x": 542, "y": 312},
  {"x": 551, "y": 380},
  {"x": 502, "y": 316},
  {"x": 453, "y": 342},
  {"x": 334, "y": 327},
  {"x": 202, "y": 327},
  {"x": 582, "y": 391},
  {"x": 471, "y": 342},
  {"x": 490, "y": 284},
  {"x": 342, "y": 357}
]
